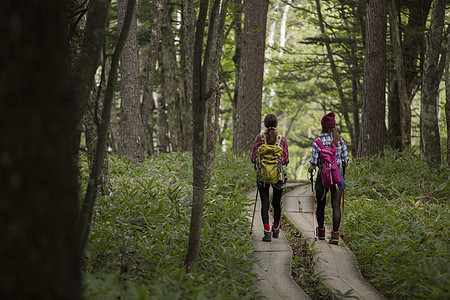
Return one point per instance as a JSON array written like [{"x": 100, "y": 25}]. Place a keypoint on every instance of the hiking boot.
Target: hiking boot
[
  {"x": 320, "y": 233},
  {"x": 275, "y": 232},
  {"x": 334, "y": 237},
  {"x": 267, "y": 236}
]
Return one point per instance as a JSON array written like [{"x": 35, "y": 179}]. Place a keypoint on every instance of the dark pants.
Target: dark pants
[
  {"x": 276, "y": 203},
  {"x": 335, "y": 205}
]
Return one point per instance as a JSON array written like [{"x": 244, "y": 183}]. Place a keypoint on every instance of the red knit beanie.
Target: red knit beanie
[{"x": 328, "y": 120}]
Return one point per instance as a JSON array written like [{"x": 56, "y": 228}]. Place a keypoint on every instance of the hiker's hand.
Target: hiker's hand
[{"x": 312, "y": 169}]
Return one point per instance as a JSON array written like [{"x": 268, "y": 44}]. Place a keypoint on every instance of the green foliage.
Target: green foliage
[
  {"x": 303, "y": 265},
  {"x": 140, "y": 231},
  {"x": 397, "y": 223}
]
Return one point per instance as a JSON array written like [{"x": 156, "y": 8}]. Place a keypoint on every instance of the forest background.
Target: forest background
[
  {"x": 314, "y": 58},
  {"x": 141, "y": 79}
]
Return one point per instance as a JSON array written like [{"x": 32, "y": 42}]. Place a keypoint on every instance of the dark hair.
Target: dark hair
[
  {"x": 336, "y": 137},
  {"x": 271, "y": 122}
]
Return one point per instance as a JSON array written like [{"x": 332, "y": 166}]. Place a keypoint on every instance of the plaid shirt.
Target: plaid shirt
[
  {"x": 341, "y": 153},
  {"x": 283, "y": 144}
]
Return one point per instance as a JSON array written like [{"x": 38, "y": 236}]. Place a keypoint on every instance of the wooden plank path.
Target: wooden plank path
[
  {"x": 274, "y": 263},
  {"x": 336, "y": 262}
]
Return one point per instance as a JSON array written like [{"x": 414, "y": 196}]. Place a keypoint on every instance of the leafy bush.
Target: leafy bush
[
  {"x": 139, "y": 233},
  {"x": 397, "y": 223}
]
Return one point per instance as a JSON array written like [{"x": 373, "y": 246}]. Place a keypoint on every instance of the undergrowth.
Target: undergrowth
[
  {"x": 397, "y": 223},
  {"x": 139, "y": 233},
  {"x": 303, "y": 264}
]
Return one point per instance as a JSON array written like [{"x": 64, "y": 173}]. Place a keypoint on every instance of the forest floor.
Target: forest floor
[{"x": 336, "y": 264}]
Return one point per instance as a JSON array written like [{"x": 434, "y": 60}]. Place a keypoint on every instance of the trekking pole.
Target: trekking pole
[
  {"x": 254, "y": 209},
  {"x": 314, "y": 206},
  {"x": 343, "y": 210}
]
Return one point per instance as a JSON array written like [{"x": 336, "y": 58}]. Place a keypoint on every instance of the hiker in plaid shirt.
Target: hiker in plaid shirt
[
  {"x": 271, "y": 136},
  {"x": 329, "y": 135}
]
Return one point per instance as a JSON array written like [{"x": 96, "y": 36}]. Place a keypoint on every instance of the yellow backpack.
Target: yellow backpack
[{"x": 269, "y": 161}]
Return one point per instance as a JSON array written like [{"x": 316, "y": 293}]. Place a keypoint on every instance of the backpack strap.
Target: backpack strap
[
  {"x": 278, "y": 140},
  {"x": 319, "y": 143},
  {"x": 263, "y": 138}
]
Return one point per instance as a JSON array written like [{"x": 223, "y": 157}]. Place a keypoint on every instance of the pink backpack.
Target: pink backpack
[{"x": 331, "y": 176}]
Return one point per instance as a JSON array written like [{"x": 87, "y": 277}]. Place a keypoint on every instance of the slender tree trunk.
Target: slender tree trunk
[
  {"x": 114, "y": 126},
  {"x": 84, "y": 69},
  {"x": 430, "y": 85},
  {"x": 216, "y": 35},
  {"x": 76, "y": 18},
  {"x": 85, "y": 216},
  {"x": 187, "y": 36},
  {"x": 148, "y": 103},
  {"x": 170, "y": 72},
  {"x": 198, "y": 159},
  {"x": 355, "y": 79},
  {"x": 414, "y": 43},
  {"x": 273, "y": 24},
  {"x": 237, "y": 17},
  {"x": 132, "y": 133},
  {"x": 373, "y": 129},
  {"x": 249, "y": 101},
  {"x": 91, "y": 118},
  {"x": 38, "y": 177},
  {"x": 162, "y": 126},
  {"x": 405, "y": 104},
  {"x": 447, "y": 96},
  {"x": 394, "y": 116}
]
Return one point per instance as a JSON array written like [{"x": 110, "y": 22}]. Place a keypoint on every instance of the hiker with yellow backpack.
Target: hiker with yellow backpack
[{"x": 270, "y": 153}]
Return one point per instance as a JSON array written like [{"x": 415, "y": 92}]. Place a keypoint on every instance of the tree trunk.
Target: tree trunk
[
  {"x": 198, "y": 155},
  {"x": 216, "y": 32},
  {"x": 170, "y": 73},
  {"x": 273, "y": 23},
  {"x": 148, "y": 103},
  {"x": 38, "y": 177},
  {"x": 76, "y": 18},
  {"x": 162, "y": 126},
  {"x": 85, "y": 215},
  {"x": 237, "y": 17},
  {"x": 249, "y": 101},
  {"x": 92, "y": 118},
  {"x": 405, "y": 104},
  {"x": 430, "y": 85},
  {"x": 373, "y": 129},
  {"x": 84, "y": 69},
  {"x": 447, "y": 96},
  {"x": 356, "y": 81},
  {"x": 394, "y": 116},
  {"x": 187, "y": 36},
  {"x": 414, "y": 43},
  {"x": 132, "y": 133}
]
